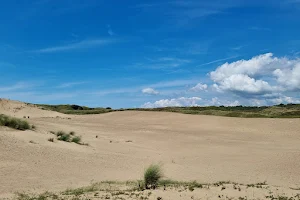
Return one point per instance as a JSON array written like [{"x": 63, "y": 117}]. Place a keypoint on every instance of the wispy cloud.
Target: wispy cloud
[
  {"x": 137, "y": 89},
  {"x": 6, "y": 65},
  {"x": 17, "y": 86},
  {"x": 174, "y": 83},
  {"x": 110, "y": 31},
  {"x": 78, "y": 45},
  {"x": 70, "y": 84},
  {"x": 256, "y": 28},
  {"x": 238, "y": 47},
  {"x": 163, "y": 63},
  {"x": 218, "y": 60}
]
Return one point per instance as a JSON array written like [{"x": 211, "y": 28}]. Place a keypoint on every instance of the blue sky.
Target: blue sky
[{"x": 150, "y": 53}]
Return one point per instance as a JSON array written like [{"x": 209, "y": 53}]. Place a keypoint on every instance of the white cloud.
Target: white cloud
[
  {"x": 150, "y": 91},
  {"x": 181, "y": 101},
  {"x": 78, "y": 45},
  {"x": 215, "y": 101},
  {"x": 163, "y": 63},
  {"x": 109, "y": 31},
  {"x": 174, "y": 83},
  {"x": 199, "y": 87},
  {"x": 289, "y": 78},
  {"x": 218, "y": 60},
  {"x": 284, "y": 99},
  {"x": 70, "y": 84},
  {"x": 259, "y": 75},
  {"x": 17, "y": 86}
]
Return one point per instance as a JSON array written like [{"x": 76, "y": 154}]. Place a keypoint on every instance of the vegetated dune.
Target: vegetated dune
[{"x": 189, "y": 147}]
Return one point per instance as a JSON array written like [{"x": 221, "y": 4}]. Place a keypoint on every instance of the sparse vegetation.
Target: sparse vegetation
[
  {"x": 128, "y": 190},
  {"x": 74, "y": 109},
  {"x": 76, "y": 139},
  {"x": 13, "y": 122},
  {"x": 152, "y": 175},
  {"x": 68, "y": 137},
  {"x": 64, "y": 137},
  {"x": 51, "y": 139},
  {"x": 43, "y": 196},
  {"x": 276, "y": 111}
]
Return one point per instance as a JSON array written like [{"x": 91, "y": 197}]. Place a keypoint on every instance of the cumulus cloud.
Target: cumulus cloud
[
  {"x": 199, "y": 87},
  {"x": 150, "y": 91},
  {"x": 215, "y": 101},
  {"x": 176, "y": 102},
  {"x": 263, "y": 74}
]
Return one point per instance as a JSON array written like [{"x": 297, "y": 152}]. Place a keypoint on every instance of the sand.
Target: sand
[{"x": 189, "y": 147}]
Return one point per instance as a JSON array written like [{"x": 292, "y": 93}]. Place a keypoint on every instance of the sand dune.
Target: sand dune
[{"x": 189, "y": 147}]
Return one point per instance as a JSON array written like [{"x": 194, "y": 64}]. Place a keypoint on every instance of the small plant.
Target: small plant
[
  {"x": 194, "y": 185},
  {"x": 13, "y": 122},
  {"x": 60, "y": 133},
  {"x": 33, "y": 127},
  {"x": 68, "y": 137},
  {"x": 51, "y": 139},
  {"x": 76, "y": 140},
  {"x": 152, "y": 175},
  {"x": 65, "y": 137}
]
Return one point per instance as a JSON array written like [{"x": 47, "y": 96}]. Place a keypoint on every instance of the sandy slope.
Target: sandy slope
[{"x": 190, "y": 147}]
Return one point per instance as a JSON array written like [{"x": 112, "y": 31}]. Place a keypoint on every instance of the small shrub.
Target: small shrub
[
  {"x": 65, "y": 137},
  {"x": 72, "y": 133},
  {"x": 60, "y": 133},
  {"x": 51, "y": 139},
  {"x": 13, "y": 122},
  {"x": 52, "y": 132},
  {"x": 194, "y": 185},
  {"x": 152, "y": 175},
  {"x": 76, "y": 140},
  {"x": 33, "y": 127}
]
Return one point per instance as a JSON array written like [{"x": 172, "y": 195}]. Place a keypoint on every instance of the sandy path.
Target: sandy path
[{"x": 190, "y": 147}]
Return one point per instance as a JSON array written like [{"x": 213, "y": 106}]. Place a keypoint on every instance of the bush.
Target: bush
[
  {"x": 60, "y": 133},
  {"x": 152, "y": 175},
  {"x": 76, "y": 139},
  {"x": 13, "y": 122},
  {"x": 65, "y": 137},
  {"x": 51, "y": 139}
]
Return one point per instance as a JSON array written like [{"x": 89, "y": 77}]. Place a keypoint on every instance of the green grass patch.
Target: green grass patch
[
  {"x": 76, "y": 139},
  {"x": 68, "y": 137},
  {"x": 42, "y": 196},
  {"x": 152, "y": 175},
  {"x": 79, "y": 191},
  {"x": 13, "y": 122},
  {"x": 276, "y": 111}
]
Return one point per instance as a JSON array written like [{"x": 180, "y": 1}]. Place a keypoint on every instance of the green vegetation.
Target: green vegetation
[
  {"x": 13, "y": 122},
  {"x": 43, "y": 196},
  {"x": 78, "y": 191},
  {"x": 67, "y": 137},
  {"x": 74, "y": 109},
  {"x": 152, "y": 175},
  {"x": 277, "y": 111},
  {"x": 76, "y": 139}
]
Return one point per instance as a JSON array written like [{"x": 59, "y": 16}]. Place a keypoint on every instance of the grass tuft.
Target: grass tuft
[
  {"x": 13, "y": 122},
  {"x": 76, "y": 139},
  {"x": 64, "y": 137},
  {"x": 152, "y": 175}
]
